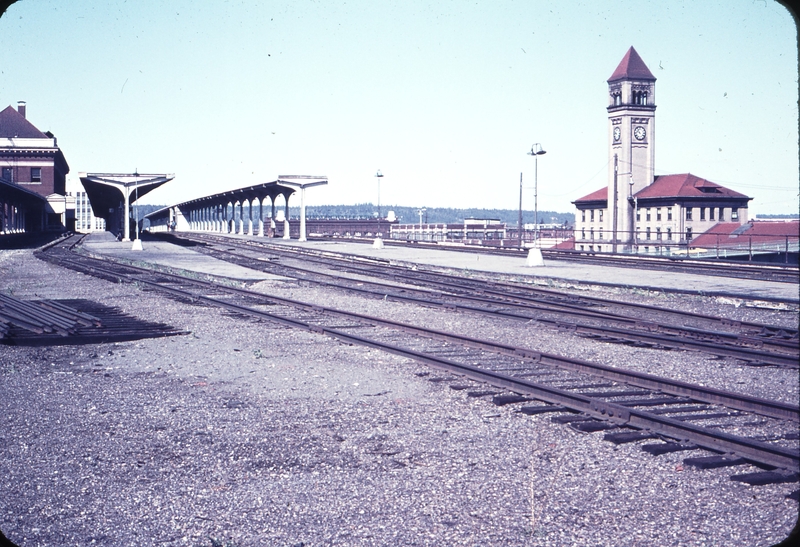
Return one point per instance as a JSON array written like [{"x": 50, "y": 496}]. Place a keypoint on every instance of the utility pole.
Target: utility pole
[
  {"x": 614, "y": 212},
  {"x": 519, "y": 220}
]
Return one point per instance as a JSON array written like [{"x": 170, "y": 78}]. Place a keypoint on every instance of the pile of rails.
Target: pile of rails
[
  {"x": 42, "y": 317},
  {"x": 50, "y": 322}
]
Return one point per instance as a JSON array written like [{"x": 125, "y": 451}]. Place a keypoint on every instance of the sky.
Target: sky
[{"x": 444, "y": 98}]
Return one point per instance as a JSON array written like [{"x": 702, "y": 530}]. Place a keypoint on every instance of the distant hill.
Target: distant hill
[
  {"x": 139, "y": 211},
  {"x": 410, "y": 215}
]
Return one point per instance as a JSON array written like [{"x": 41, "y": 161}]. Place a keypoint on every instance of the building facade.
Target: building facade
[
  {"x": 80, "y": 217},
  {"x": 637, "y": 211},
  {"x": 32, "y": 160}
]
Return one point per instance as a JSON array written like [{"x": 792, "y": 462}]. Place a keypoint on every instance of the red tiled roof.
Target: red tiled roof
[
  {"x": 597, "y": 195},
  {"x": 727, "y": 233},
  {"x": 686, "y": 185},
  {"x": 775, "y": 228},
  {"x": 632, "y": 68},
  {"x": 568, "y": 244},
  {"x": 14, "y": 125}
]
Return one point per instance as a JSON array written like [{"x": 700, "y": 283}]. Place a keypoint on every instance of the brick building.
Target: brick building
[
  {"x": 637, "y": 211},
  {"x": 32, "y": 160}
]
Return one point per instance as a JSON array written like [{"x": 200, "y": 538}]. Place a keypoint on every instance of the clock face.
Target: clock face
[
  {"x": 617, "y": 133},
  {"x": 639, "y": 133}
]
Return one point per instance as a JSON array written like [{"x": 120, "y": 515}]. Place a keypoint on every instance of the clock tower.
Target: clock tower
[{"x": 631, "y": 137}]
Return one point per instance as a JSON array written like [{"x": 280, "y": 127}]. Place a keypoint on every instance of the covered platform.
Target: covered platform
[
  {"x": 21, "y": 211},
  {"x": 240, "y": 211},
  {"x": 111, "y": 195}
]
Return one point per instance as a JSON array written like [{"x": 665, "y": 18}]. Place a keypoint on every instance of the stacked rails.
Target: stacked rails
[{"x": 52, "y": 322}]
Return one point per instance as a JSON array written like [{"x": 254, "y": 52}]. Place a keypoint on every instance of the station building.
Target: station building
[
  {"x": 33, "y": 174},
  {"x": 637, "y": 211},
  {"x": 81, "y": 217}
]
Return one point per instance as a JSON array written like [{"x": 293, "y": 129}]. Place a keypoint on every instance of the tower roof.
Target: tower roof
[{"x": 631, "y": 67}]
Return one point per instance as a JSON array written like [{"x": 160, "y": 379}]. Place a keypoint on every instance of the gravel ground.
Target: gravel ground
[{"x": 244, "y": 433}]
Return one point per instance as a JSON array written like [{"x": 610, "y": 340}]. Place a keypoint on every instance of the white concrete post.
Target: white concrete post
[
  {"x": 286, "y": 227},
  {"x": 126, "y": 214},
  {"x": 261, "y": 217},
  {"x": 303, "y": 214}
]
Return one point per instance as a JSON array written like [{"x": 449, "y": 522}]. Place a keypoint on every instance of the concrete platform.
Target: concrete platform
[
  {"x": 174, "y": 256},
  {"x": 565, "y": 271},
  {"x": 160, "y": 252}
]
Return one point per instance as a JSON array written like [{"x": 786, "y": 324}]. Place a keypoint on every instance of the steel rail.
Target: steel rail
[
  {"x": 718, "y": 268},
  {"x": 715, "y": 343},
  {"x": 749, "y": 449},
  {"x": 616, "y": 413},
  {"x": 485, "y": 287},
  {"x": 729, "y": 399}
]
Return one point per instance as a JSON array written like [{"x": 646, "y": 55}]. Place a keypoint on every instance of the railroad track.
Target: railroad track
[
  {"x": 782, "y": 273},
  {"x": 738, "y": 430},
  {"x": 600, "y": 319}
]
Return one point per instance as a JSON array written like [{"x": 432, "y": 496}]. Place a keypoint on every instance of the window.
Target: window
[
  {"x": 669, "y": 234},
  {"x": 591, "y": 233},
  {"x": 722, "y": 213},
  {"x": 648, "y": 214},
  {"x": 734, "y": 214},
  {"x": 711, "y": 214},
  {"x": 8, "y": 174},
  {"x": 688, "y": 234},
  {"x": 658, "y": 234},
  {"x": 581, "y": 247},
  {"x": 669, "y": 213},
  {"x": 688, "y": 213},
  {"x": 600, "y": 215},
  {"x": 591, "y": 215},
  {"x": 702, "y": 213},
  {"x": 36, "y": 174},
  {"x": 601, "y": 234},
  {"x": 638, "y": 215},
  {"x": 658, "y": 213},
  {"x": 583, "y": 215},
  {"x": 583, "y": 234},
  {"x": 647, "y": 233}
]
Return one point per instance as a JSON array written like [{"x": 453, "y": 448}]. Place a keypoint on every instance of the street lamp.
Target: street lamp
[
  {"x": 379, "y": 176},
  {"x": 420, "y": 212},
  {"x": 536, "y": 151}
]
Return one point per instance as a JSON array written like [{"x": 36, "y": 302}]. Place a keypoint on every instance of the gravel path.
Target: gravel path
[{"x": 245, "y": 433}]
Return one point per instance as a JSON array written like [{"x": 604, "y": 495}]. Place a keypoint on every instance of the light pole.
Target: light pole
[
  {"x": 379, "y": 176},
  {"x": 536, "y": 151},
  {"x": 420, "y": 212}
]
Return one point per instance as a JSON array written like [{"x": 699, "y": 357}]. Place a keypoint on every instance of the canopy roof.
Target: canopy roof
[{"x": 107, "y": 190}]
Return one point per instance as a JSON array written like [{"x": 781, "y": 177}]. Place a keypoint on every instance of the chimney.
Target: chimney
[{"x": 21, "y": 108}]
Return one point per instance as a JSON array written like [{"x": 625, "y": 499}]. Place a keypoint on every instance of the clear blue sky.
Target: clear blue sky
[{"x": 444, "y": 97}]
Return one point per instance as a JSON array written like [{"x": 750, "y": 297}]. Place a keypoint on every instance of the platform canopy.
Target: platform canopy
[
  {"x": 303, "y": 182},
  {"x": 111, "y": 194}
]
